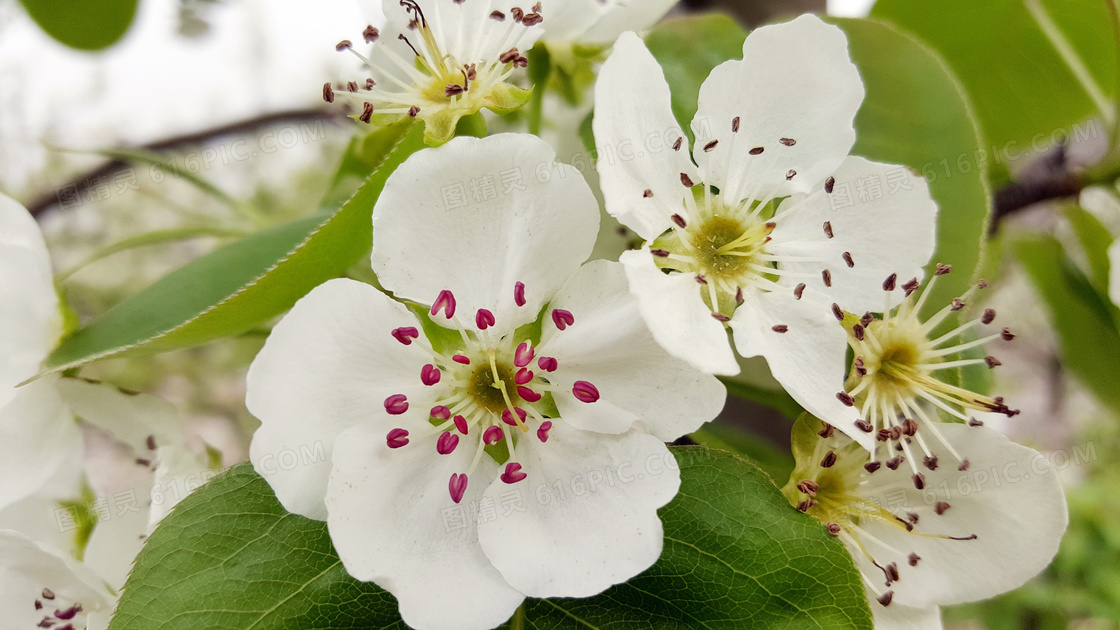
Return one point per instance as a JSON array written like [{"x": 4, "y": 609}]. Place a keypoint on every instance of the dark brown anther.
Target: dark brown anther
[
  {"x": 738, "y": 296},
  {"x": 647, "y": 194},
  {"x": 735, "y": 125},
  {"x": 660, "y": 253},
  {"x": 940, "y": 507},
  {"x": 884, "y": 435},
  {"x": 536, "y": 7},
  {"x": 708, "y": 148},
  {"x": 413, "y": 111},
  {"x": 896, "y": 433},
  {"x": 367, "y": 113},
  {"x": 957, "y": 304},
  {"x": 509, "y": 56},
  {"x": 809, "y": 487},
  {"x": 861, "y": 369},
  {"x": 911, "y": 286},
  {"x": 885, "y": 598},
  {"x": 892, "y": 572},
  {"x": 720, "y": 316},
  {"x": 992, "y": 362},
  {"x": 679, "y": 220},
  {"x": 989, "y": 316},
  {"x": 872, "y": 466},
  {"x": 837, "y": 312},
  {"x": 864, "y": 426},
  {"x": 894, "y": 462},
  {"x": 973, "y": 422},
  {"x": 919, "y": 481},
  {"x": 780, "y": 328},
  {"x": 909, "y": 427},
  {"x": 890, "y": 283},
  {"x": 677, "y": 145},
  {"x": 38, "y": 605},
  {"x": 371, "y": 34},
  {"x": 686, "y": 180},
  {"x": 930, "y": 462},
  {"x": 521, "y": 62},
  {"x": 370, "y": 83},
  {"x": 352, "y": 86},
  {"x": 828, "y": 229},
  {"x": 829, "y": 184},
  {"x": 826, "y": 431},
  {"x": 532, "y": 19},
  {"x": 942, "y": 269},
  {"x": 848, "y": 260},
  {"x": 790, "y": 174},
  {"x": 1006, "y": 335},
  {"x": 912, "y": 517},
  {"x": 328, "y": 92},
  {"x": 913, "y": 559},
  {"x": 805, "y": 505},
  {"x": 982, "y": 284},
  {"x": 964, "y": 465},
  {"x": 829, "y": 460},
  {"x": 518, "y": 14},
  {"x": 756, "y": 151},
  {"x": 470, "y": 72},
  {"x": 833, "y": 529},
  {"x": 48, "y": 594},
  {"x": 859, "y": 332},
  {"x": 498, "y": 16},
  {"x": 343, "y": 45},
  {"x": 150, "y": 442},
  {"x": 140, "y": 461},
  {"x": 789, "y": 142},
  {"x": 866, "y": 319},
  {"x": 798, "y": 290},
  {"x": 846, "y": 399},
  {"x": 826, "y": 275},
  {"x": 700, "y": 279}
]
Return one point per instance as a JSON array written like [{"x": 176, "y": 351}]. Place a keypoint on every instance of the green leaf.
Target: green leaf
[
  {"x": 1017, "y": 77},
  {"x": 688, "y": 49},
  {"x": 774, "y": 461},
  {"x": 242, "y": 284},
  {"x": 1083, "y": 318},
  {"x": 915, "y": 113},
  {"x": 83, "y": 24},
  {"x": 1095, "y": 241},
  {"x": 230, "y": 558}
]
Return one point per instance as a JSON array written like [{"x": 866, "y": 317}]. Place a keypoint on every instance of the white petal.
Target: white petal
[
  {"x": 590, "y": 512},
  {"x": 626, "y": 15},
  {"x": 184, "y": 471},
  {"x": 569, "y": 20},
  {"x": 394, "y": 523},
  {"x": 635, "y": 132},
  {"x": 328, "y": 365},
  {"x": 1114, "y": 270},
  {"x": 538, "y": 236},
  {"x": 30, "y": 323},
  {"x": 676, "y": 315},
  {"x": 38, "y": 437},
  {"x": 118, "y": 538},
  {"x": 464, "y": 30},
  {"x": 808, "y": 359},
  {"x": 1010, "y": 498},
  {"x": 43, "y": 520},
  {"x": 900, "y": 617},
  {"x": 26, "y": 569},
  {"x": 795, "y": 82},
  {"x": 610, "y": 347},
  {"x": 129, "y": 417},
  {"x": 884, "y": 232}
]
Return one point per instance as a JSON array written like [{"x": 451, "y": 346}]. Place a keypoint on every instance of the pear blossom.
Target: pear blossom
[
  {"x": 598, "y": 23},
  {"x": 972, "y": 532},
  {"x": 41, "y": 589},
  {"x": 766, "y": 230},
  {"x": 1114, "y": 272},
  {"x": 499, "y": 432},
  {"x": 898, "y": 383},
  {"x": 441, "y": 60}
]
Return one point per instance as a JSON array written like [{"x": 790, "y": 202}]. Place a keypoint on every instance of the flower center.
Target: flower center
[
  {"x": 488, "y": 389},
  {"x": 55, "y": 611}
]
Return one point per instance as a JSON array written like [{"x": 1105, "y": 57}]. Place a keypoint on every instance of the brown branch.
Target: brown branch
[{"x": 82, "y": 182}]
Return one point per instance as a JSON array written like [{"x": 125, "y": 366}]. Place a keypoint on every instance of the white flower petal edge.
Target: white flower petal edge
[
  {"x": 796, "y": 94},
  {"x": 645, "y": 150},
  {"x": 322, "y": 370},
  {"x": 874, "y": 231},
  {"x": 393, "y": 523},
  {"x": 610, "y": 346},
  {"x": 30, "y": 321},
  {"x": 1018, "y": 523},
  {"x": 29, "y": 575},
  {"x": 899, "y": 617},
  {"x": 626, "y": 15},
  {"x": 38, "y": 436},
  {"x": 590, "y": 514},
  {"x": 537, "y": 236},
  {"x": 675, "y": 315},
  {"x": 1114, "y": 277}
]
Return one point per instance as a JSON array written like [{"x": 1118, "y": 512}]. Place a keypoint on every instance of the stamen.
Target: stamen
[
  {"x": 446, "y": 443},
  {"x": 430, "y": 375},
  {"x": 492, "y": 435},
  {"x": 461, "y": 359},
  {"x": 519, "y": 293},
  {"x": 446, "y": 303},
  {"x": 548, "y": 364},
  {"x": 524, "y": 375},
  {"x": 542, "y": 431},
  {"x": 527, "y": 394},
  {"x": 457, "y": 486},
  {"x": 441, "y": 413},
  {"x": 461, "y": 424},
  {"x": 406, "y": 335},
  {"x": 513, "y": 473},
  {"x": 562, "y": 318},
  {"x": 585, "y": 392},
  {"x": 484, "y": 319},
  {"x": 397, "y": 438},
  {"x": 396, "y": 404},
  {"x": 523, "y": 356}
]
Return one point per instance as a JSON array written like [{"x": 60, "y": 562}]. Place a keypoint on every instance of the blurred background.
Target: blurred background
[{"x": 204, "y": 122}]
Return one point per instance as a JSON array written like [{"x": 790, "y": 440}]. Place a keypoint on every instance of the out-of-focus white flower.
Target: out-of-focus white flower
[
  {"x": 598, "y": 22},
  {"x": 40, "y": 589}
]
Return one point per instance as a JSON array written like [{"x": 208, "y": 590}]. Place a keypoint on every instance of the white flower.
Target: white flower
[
  {"x": 484, "y": 449},
  {"x": 599, "y": 22},
  {"x": 774, "y": 223},
  {"x": 973, "y": 532},
  {"x": 898, "y": 380},
  {"x": 39, "y": 589},
  {"x": 441, "y": 60},
  {"x": 1114, "y": 272}
]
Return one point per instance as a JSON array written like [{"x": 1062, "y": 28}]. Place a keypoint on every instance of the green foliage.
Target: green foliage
[
  {"x": 1017, "y": 76},
  {"x": 242, "y": 284},
  {"x": 84, "y": 24},
  {"x": 736, "y": 555},
  {"x": 1084, "y": 319}
]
